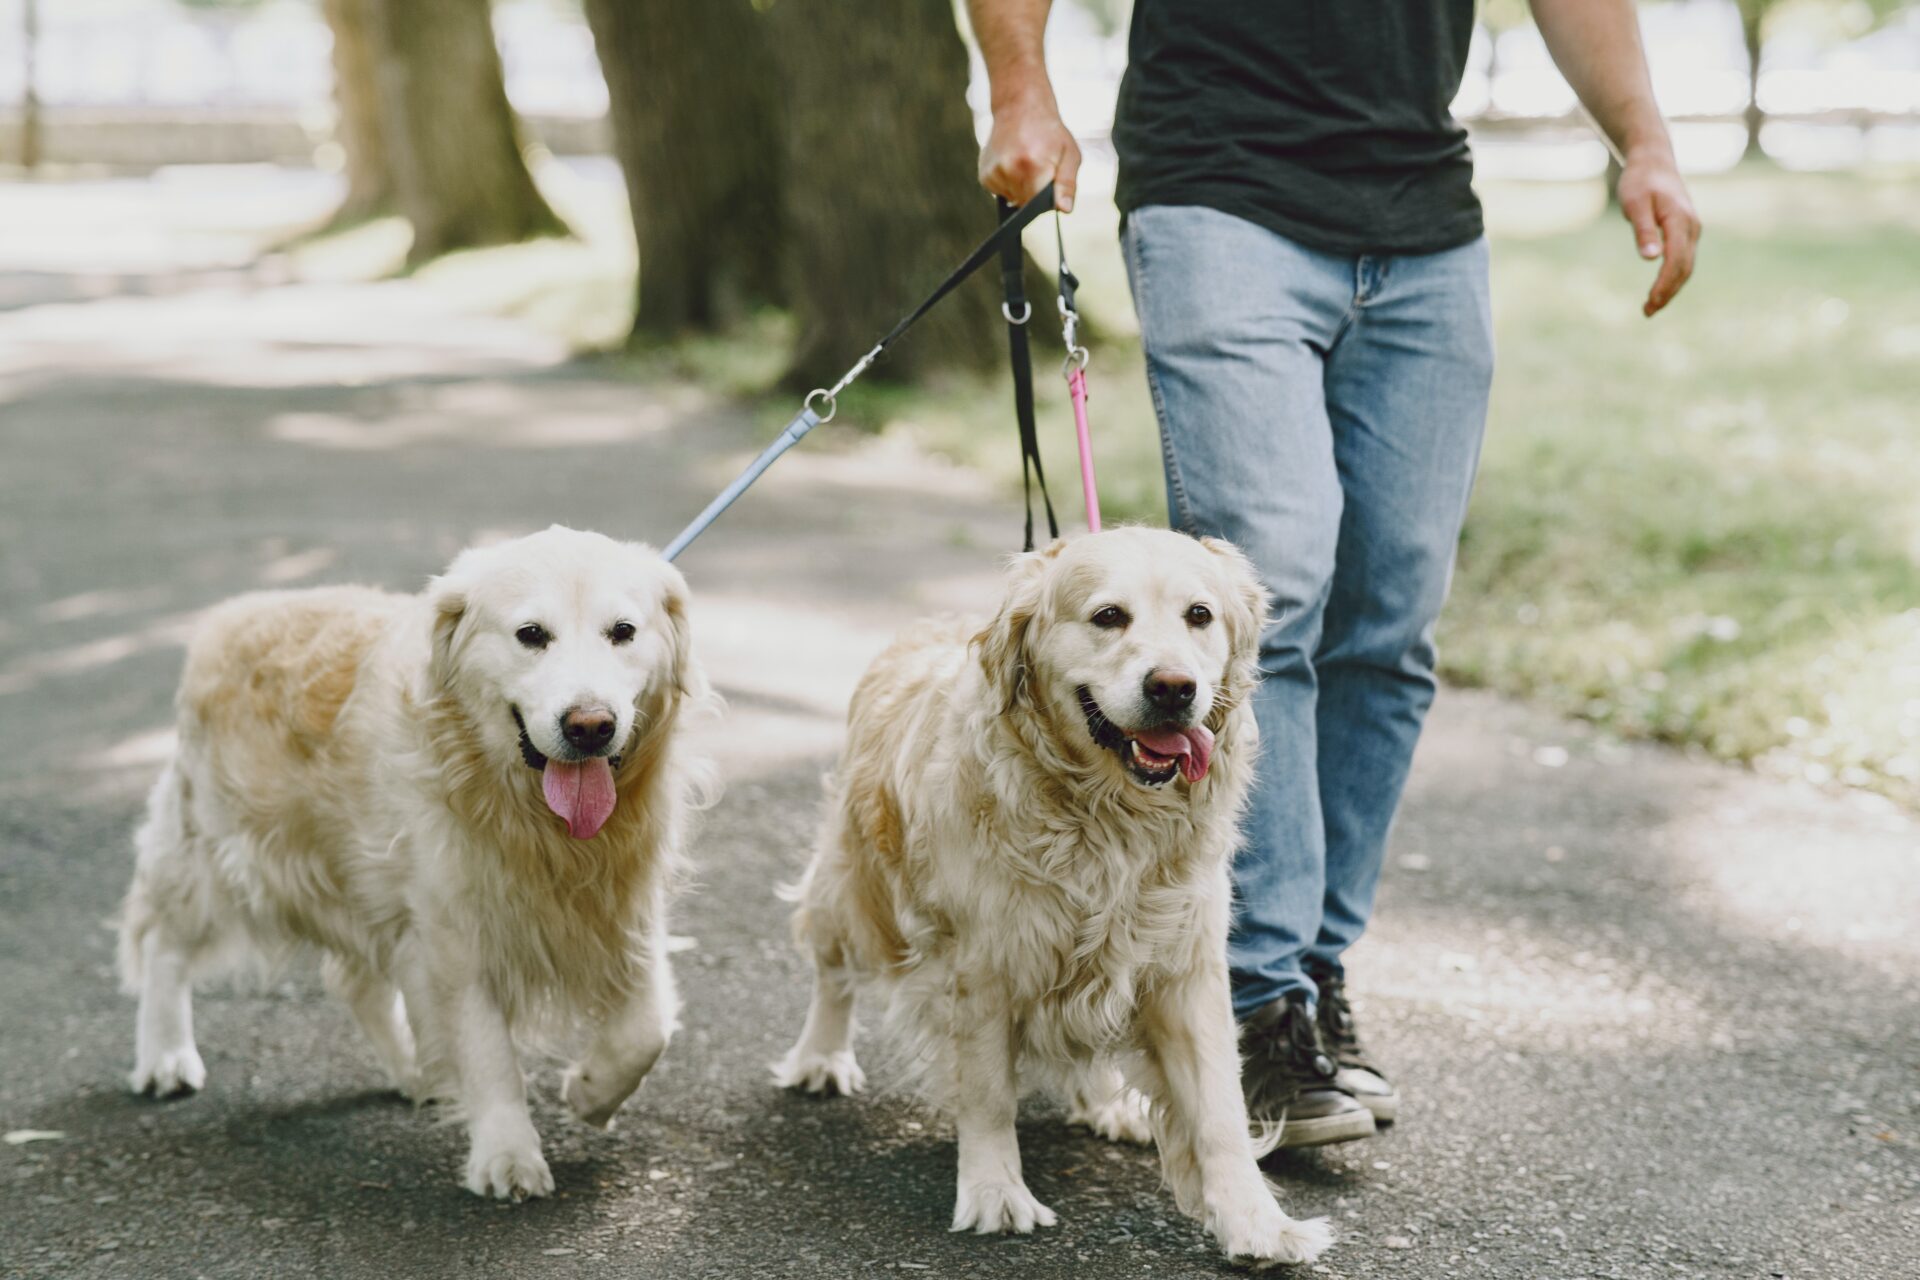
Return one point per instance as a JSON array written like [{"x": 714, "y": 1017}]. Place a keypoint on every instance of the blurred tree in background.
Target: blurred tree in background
[
  {"x": 694, "y": 97},
  {"x": 1757, "y": 20},
  {"x": 370, "y": 184},
  {"x": 425, "y": 122},
  {"x": 880, "y": 189}
]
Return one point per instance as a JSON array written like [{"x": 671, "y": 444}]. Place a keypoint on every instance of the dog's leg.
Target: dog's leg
[
  {"x": 165, "y": 1058},
  {"x": 377, "y": 1007},
  {"x": 1192, "y": 1072},
  {"x": 821, "y": 1061},
  {"x": 164, "y": 924},
  {"x": 504, "y": 1161},
  {"x": 992, "y": 1194},
  {"x": 625, "y": 1047},
  {"x": 1099, "y": 1097}
]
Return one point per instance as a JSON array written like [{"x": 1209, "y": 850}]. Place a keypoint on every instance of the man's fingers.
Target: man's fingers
[
  {"x": 1010, "y": 179},
  {"x": 1066, "y": 176},
  {"x": 1646, "y": 229},
  {"x": 1678, "y": 229}
]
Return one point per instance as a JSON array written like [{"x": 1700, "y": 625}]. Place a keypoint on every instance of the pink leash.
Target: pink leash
[
  {"x": 1075, "y": 370},
  {"x": 1077, "y": 388}
]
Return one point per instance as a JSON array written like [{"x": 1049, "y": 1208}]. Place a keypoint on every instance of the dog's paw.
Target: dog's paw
[
  {"x": 987, "y": 1208},
  {"x": 511, "y": 1172},
  {"x": 167, "y": 1074},
  {"x": 411, "y": 1085},
  {"x": 1260, "y": 1234},
  {"x": 591, "y": 1099},
  {"x": 1121, "y": 1118},
  {"x": 828, "y": 1074}
]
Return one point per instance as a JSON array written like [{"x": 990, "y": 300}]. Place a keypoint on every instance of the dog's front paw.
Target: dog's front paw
[
  {"x": 1256, "y": 1231},
  {"x": 828, "y": 1074},
  {"x": 991, "y": 1207},
  {"x": 411, "y": 1085},
  {"x": 165, "y": 1074},
  {"x": 591, "y": 1098},
  {"x": 1121, "y": 1118},
  {"x": 508, "y": 1171}
]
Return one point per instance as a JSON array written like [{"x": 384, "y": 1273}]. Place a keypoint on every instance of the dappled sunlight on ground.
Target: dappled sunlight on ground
[
  {"x": 70, "y": 661},
  {"x": 491, "y": 413}
]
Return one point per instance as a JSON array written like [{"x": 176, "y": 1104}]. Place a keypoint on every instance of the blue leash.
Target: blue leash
[{"x": 820, "y": 404}]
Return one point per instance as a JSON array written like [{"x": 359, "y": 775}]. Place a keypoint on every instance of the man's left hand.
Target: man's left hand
[{"x": 1655, "y": 201}]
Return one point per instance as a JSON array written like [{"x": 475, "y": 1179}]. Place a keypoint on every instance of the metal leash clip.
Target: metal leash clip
[{"x": 1077, "y": 356}]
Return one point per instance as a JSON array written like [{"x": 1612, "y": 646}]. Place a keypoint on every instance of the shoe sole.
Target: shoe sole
[
  {"x": 1385, "y": 1107},
  {"x": 1321, "y": 1131}
]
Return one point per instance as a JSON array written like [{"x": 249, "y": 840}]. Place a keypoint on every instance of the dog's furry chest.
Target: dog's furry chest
[{"x": 1074, "y": 952}]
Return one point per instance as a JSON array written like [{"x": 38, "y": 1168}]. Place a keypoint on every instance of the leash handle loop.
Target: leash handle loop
[{"x": 1013, "y": 270}]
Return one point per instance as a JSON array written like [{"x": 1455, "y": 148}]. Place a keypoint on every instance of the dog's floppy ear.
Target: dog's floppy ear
[
  {"x": 1003, "y": 645},
  {"x": 1244, "y": 611},
  {"x": 448, "y": 602},
  {"x": 447, "y": 610},
  {"x": 689, "y": 677}
]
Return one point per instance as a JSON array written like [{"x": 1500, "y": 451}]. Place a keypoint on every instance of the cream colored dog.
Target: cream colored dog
[
  {"x": 1027, "y": 851},
  {"x": 470, "y": 797}
]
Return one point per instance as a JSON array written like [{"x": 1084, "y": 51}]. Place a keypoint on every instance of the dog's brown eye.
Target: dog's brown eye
[
  {"x": 1199, "y": 616},
  {"x": 620, "y": 632},
  {"x": 1110, "y": 617},
  {"x": 533, "y": 635}
]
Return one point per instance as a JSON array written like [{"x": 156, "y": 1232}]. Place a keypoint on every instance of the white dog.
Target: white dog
[
  {"x": 468, "y": 801},
  {"x": 1027, "y": 850}
]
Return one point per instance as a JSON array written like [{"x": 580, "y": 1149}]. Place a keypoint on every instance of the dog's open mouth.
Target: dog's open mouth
[
  {"x": 581, "y": 792},
  {"x": 1153, "y": 756}
]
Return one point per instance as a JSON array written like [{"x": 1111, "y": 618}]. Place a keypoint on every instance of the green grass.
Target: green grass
[
  {"x": 1706, "y": 528},
  {"x": 1703, "y": 529}
]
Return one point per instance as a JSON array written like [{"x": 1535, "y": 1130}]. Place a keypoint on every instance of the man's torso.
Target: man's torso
[{"x": 1326, "y": 121}]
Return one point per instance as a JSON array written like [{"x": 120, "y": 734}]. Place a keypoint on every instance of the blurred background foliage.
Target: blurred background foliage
[{"x": 1701, "y": 529}]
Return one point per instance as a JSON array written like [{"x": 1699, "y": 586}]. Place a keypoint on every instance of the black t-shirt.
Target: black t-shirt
[{"x": 1324, "y": 120}]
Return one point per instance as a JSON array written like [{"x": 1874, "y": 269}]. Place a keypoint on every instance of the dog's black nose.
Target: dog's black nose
[
  {"x": 587, "y": 728},
  {"x": 1170, "y": 691}
]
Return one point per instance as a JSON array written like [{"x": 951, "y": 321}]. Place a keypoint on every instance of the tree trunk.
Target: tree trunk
[
  {"x": 1751, "y": 13},
  {"x": 454, "y": 143},
  {"x": 881, "y": 195},
  {"x": 356, "y": 95},
  {"x": 694, "y": 95},
  {"x": 29, "y": 89}
]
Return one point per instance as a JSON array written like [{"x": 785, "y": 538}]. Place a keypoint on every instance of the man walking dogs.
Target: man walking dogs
[{"x": 1308, "y": 264}]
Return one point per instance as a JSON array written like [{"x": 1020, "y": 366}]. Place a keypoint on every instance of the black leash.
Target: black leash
[
  {"x": 1017, "y": 311},
  {"x": 1005, "y": 241}
]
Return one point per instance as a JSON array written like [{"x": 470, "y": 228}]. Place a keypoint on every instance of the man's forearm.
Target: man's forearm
[
  {"x": 1596, "y": 45},
  {"x": 1012, "y": 37}
]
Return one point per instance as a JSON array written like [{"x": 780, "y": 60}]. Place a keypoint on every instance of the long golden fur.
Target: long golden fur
[
  {"x": 1004, "y": 864},
  {"x": 353, "y": 777}
]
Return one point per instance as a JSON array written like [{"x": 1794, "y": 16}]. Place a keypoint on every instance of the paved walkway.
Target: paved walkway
[{"x": 1652, "y": 1017}]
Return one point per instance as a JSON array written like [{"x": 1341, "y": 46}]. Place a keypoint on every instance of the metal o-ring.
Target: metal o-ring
[
  {"x": 833, "y": 405},
  {"x": 1026, "y": 313}
]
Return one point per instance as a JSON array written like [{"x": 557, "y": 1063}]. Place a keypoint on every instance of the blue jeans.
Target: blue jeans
[{"x": 1324, "y": 413}]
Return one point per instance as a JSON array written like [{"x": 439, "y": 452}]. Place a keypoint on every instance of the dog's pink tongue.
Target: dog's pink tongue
[
  {"x": 581, "y": 793},
  {"x": 1194, "y": 747}
]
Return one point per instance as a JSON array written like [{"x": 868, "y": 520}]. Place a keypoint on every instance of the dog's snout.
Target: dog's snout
[
  {"x": 587, "y": 728},
  {"x": 1169, "y": 690}
]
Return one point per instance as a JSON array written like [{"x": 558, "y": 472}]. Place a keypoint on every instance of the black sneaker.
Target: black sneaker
[
  {"x": 1358, "y": 1074},
  {"x": 1290, "y": 1079}
]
